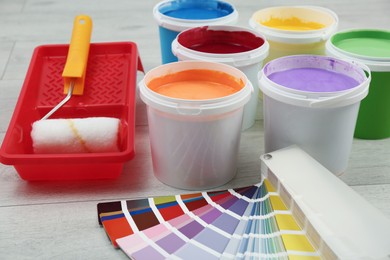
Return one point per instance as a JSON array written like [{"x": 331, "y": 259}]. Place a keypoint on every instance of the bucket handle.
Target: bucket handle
[{"x": 351, "y": 93}]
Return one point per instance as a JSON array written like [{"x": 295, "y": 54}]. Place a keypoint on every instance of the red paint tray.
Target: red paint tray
[{"x": 110, "y": 89}]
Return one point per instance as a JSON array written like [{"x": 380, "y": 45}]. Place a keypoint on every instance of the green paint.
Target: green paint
[
  {"x": 374, "y": 114},
  {"x": 370, "y": 43},
  {"x": 373, "y": 46}
]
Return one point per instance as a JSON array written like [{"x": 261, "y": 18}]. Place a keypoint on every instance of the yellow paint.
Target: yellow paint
[
  {"x": 196, "y": 84},
  {"x": 297, "y": 243},
  {"x": 277, "y": 203},
  {"x": 286, "y": 222},
  {"x": 77, "y": 135},
  {"x": 292, "y": 24},
  {"x": 269, "y": 186},
  {"x": 164, "y": 199}
]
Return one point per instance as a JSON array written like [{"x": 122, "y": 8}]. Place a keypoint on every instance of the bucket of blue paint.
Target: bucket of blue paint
[
  {"x": 174, "y": 16},
  {"x": 313, "y": 102}
]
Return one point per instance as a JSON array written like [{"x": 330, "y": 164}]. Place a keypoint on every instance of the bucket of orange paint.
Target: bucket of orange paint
[
  {"x": 292, "y": 30},
  {"x": 239, "y": 47},
  {"x": 195, "y": 111}
]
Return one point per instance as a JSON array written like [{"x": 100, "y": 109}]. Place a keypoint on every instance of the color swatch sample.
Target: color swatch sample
[{"x": 238, "y": 223}]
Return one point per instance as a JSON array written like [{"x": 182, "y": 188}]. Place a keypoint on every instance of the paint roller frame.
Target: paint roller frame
[
  {"x": 70, "y": 135},
  {"x": 76, "y": 62}
]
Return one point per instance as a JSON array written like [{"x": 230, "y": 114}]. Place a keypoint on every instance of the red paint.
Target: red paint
[
  {"x": 171, "y": 212},
  {"x": 117, "y": 228},
  {"x": 219, "y": 41},
  {"x": 145, "y": 220},
  {"x": 217, "y": 196},
  {"x": 195, "y": 204}
]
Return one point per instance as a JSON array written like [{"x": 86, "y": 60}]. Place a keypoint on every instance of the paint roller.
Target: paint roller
[{"x": 76, "y": 135}]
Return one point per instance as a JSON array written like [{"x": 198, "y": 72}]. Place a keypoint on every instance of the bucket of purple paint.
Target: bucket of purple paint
[
  {"x": 242, "y": 48},
  {"x": 313, "y": 102},
  {"x": 174, "y": 16}
]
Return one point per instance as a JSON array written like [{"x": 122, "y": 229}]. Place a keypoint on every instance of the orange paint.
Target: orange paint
[{"x": 196, "y": 84}]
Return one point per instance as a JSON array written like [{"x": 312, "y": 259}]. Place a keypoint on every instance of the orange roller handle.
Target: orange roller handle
[{"x": 77, "y": 59}]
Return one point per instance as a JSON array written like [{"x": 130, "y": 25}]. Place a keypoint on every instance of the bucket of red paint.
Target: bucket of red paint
[
  {"x": 313, "y": 101},
  {"x": 292, "y": 30},
  {"x": 236, "y": 46},
  {"x": 371, "y": 47},
  {"x": 195, "y": 111},
  {"x": 174, "y": 16}
]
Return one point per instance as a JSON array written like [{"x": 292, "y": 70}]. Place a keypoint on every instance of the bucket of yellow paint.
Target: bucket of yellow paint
[
  {"x": 195, "y": 111},
  {"x": 292, "y": 30}
]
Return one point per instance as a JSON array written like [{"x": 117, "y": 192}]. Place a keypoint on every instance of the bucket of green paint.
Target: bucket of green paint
[{"x": 371, "y": 47}]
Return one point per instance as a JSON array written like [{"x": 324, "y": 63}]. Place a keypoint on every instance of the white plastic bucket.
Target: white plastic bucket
[
  {"x": 194, "y": 143},
  {"x": 320, "y": 122},
  {"x": 174, "y": 16},
  {"x": 294, "y": 38},
  {"x": 239, "y": 47}
]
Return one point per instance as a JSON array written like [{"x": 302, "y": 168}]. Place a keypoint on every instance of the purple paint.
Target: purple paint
[
  {"x": 210, "y": 216},
  {"x": 191, "y": 251},
  {"x": 171, "y": 243},
  {"x": 212, "y": 239},
  {"x": 229, "y": 203},
  {"x": 239, "y": 207},
  {"x": 226, "y": 223},
  {"x": 147, "y": 253},
  {"x": 313, "y": 80},
  {"x": 191, "y": 229}
]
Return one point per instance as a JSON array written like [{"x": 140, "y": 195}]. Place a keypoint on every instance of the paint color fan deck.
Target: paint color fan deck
[
  {"x": 231, "y": 223},
  {"x": 272, "y": 219}
]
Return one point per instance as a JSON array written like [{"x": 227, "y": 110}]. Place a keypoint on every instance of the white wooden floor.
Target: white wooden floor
[{"x": 58, "y": 220}]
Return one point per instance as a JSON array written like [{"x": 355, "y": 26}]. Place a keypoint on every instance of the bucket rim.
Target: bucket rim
[
  {"x": 297, "y": 37},
  {"x": 181, "y": 106},
  {"x": 239, "y": 59},
  {"x": 316, "y": 99},
  {"x": 179, "y": 24},
  {"x": 374, "y": 63}
]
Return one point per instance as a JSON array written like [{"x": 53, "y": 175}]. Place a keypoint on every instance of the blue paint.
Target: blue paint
[
  {"x": 166, "y": 38},
  {"x": 196, "y": 10},
  {"x": 184, "y": 10},
  {"x": 116, "y": 216}
]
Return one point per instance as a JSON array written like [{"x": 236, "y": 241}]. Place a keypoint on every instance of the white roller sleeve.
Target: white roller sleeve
[{"x": 79, "y": 135}]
